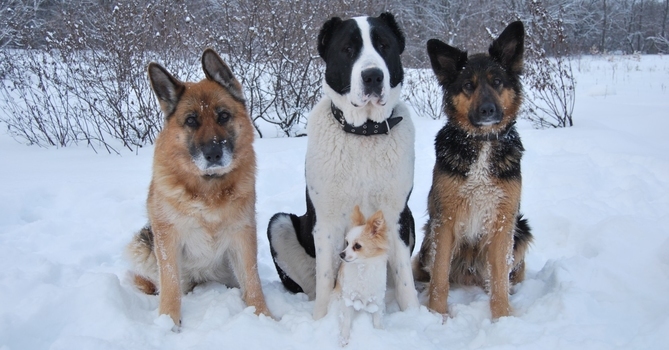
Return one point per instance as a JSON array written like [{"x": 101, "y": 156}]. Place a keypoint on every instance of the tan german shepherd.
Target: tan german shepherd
[{"x": 201, "y": 202}]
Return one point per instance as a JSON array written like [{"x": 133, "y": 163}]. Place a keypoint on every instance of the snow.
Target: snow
[{"x": 596, "y": 196}]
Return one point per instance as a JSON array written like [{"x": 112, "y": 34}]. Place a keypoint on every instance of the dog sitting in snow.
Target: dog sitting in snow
[
  {"x": 475, "y": 234},
  {"x": 361, "y": 282},
  {"x": 360, "y": 152},
  {"x": 201, "y": 201}
]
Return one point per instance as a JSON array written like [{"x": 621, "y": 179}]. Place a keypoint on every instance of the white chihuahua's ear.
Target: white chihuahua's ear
[
  {"x": 377, "y": 222},
  {"x": 357, "y": 218}
]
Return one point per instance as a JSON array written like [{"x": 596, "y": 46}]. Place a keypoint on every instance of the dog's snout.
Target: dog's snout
[
  {"x": 342, "y": 255},
  {"x": 487, "y": 110},
  {"x": 212, "y": 152},
  {"x": 372, "y": 79},
  {"x": 488, "y": 113}
]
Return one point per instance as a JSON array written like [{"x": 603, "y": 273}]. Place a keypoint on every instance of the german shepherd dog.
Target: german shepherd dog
[
  {"x": 201, "y": 202},
  {"x": 475, "y": 234}
]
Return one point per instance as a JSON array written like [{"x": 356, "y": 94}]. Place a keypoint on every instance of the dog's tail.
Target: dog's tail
[
  {"x": 145, "y": 267},
  {"x": 522, "y": 238},
  {"x": 293, "y": 253}
]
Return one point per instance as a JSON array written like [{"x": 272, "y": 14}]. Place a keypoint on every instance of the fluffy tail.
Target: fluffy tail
[
  {"x": 522, "y": 238},
  {"x": 145, "y": 267},
  {"x": 290, "y": 252}
]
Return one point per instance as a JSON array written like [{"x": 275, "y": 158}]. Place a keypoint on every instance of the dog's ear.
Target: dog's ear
[
  {"x": 378, "y": 223},
  {"x": 389, "y": 20},
  {"x": 215, "y": 69},
  {"x": 508, "y": 48},
  {"x": 325, "y": 35},
  {"x": 357, "y": 219},
  {"x": 446, "y": 60},
  {"x": 167, "y": 88}
]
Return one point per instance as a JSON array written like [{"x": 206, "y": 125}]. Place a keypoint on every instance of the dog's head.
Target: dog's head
[
  {"x": 483, "y": 92},
  {"x": 204, "y": 121},
  {"x": 367, "y": 239},
  {"x": 363, "y": 66}
]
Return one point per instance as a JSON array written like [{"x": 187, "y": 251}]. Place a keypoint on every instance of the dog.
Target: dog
[
  {"x": 201, "y": 201},
  {"x": 361, "y": 281},
  {"x": 360, "y": 150},
  {"x": 475, "y": 234}
]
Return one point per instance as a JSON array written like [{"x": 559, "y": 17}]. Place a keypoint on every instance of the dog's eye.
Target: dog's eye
[
  {"x": 496, "y": 82},
  {"x": 223, "y": 117},
  {"x": 468, "y": 86},
  {"x": 348, "y": 50},
  {"x": 191, "y": 121},
  {"x": 357, "y": 246}
]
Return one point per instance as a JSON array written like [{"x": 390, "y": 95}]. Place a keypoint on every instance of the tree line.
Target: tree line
[{"x": 74, "y": 71}]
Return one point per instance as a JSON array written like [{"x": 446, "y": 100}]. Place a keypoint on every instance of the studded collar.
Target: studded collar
[{"x": 369, "y": 128}]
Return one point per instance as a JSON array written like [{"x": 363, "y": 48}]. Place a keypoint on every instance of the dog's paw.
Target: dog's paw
[{"x": 167, "y": 323}]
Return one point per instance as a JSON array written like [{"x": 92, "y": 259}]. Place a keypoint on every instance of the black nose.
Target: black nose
[
  {"x": 342, "y": 255},
  {"x": 372, "y": 80},
  {"x": 213, "y": 152},
  {"x": 487, "y": 110}
]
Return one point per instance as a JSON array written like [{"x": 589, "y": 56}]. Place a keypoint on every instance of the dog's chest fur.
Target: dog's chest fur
[
  {"x": 481, "y": 195},
  {"x": 204, "y": 235},
  {"x": 375, "y": 172},
  {"x": 363, "y": 284}
]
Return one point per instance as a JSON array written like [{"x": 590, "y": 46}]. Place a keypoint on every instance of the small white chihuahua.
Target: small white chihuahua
[{"x": 361, "y": 282}]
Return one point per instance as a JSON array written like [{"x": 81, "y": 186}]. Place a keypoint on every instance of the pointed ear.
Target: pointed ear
[
  {"x": 325, "y": 35},
  {"x": 389, "y": 19},
  {"x": 377, "y": 222},
  {"x": 215, "y": 69},
  {"x": 446, "y": 60},
  {"x": 167, "y": 88},
  {"x": 357, "y": 218},
  {"x": 508, "y": 48}
]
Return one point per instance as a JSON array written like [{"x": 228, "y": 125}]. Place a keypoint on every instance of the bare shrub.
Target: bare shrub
[{"x": 549, "y": 80}]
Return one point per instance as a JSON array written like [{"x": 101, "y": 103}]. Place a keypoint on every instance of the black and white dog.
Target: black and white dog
[{"x": 360, "y": 152}]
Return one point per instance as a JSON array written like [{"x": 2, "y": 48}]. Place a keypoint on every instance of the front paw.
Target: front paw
[{"x": 166, "y": 322}]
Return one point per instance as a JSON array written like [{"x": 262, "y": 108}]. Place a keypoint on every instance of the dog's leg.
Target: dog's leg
[
  {"x": 376, "y": 318},
  {"x": 326, "y": 265},
  {"x": 439, "y": 284},
  {"x": 166, "y": 250},
  {"x": 400, "y": 267},
  {"x": 345, "y": 319},
  {"x": 244, "y": 251},
  {"x": 500, "y": 260}
]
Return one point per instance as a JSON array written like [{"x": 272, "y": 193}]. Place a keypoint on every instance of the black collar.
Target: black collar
[
  {"x": 369, "y": 128},
  {"x": 501, "y": 135}
]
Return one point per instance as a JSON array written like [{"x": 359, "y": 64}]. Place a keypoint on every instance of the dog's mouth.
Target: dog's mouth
[
  {"x": 373, "y": 99},
  {"x": 214, "y": 163}
]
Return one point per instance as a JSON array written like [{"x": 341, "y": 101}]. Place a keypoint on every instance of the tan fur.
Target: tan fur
[
  {"x": 451, "y": 204},
  {"x": 189, "y": 212}
]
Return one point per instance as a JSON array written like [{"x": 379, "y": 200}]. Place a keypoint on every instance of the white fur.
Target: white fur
[
  {"x": 363, "y": 288},
  {"x": 298, "y": 264},
  {"x": 375, "y": 172},
  {"x": 483, "y": 198}
]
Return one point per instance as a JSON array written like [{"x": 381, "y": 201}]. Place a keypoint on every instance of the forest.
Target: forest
[{"x": 74, "y": 71}]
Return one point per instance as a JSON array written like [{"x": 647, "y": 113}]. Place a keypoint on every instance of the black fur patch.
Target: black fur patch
[
  {"x": 145, "y": 236},
  {"x": 522, "y": 235},
  {"x": 407, "y": 228},
  {"x": 456, "y": 151}
]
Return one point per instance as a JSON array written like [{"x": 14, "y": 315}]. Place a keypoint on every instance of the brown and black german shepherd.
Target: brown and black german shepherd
[
  {"x": 475, "y": 234},
  {"x": 201, "y": 202}
]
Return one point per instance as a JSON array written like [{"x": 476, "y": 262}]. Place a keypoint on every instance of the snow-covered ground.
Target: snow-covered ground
[{"x": 596, "y": 195}]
